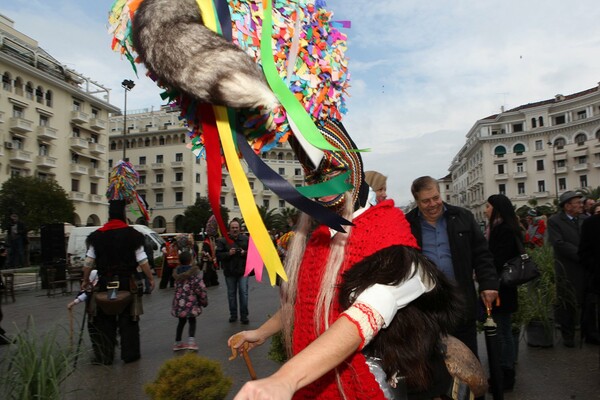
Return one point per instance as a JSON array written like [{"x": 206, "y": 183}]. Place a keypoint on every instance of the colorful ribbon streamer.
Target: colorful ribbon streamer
[{"x": 253, "y": 261}]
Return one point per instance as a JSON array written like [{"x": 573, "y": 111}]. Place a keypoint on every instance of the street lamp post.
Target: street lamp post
[
  {"x": 127, "y": 84},
  {"x": 554, "y": 169}
]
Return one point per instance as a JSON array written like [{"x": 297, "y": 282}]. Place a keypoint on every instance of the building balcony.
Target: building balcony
[
  {"x": 97, "y": 148},
  {"x": 77, "y": 196},
  {"x": 46, "y": 133},
  {"x": 597, "y": 164},
  {"x": 561, "y": 170},
  {"x": 177, "y": 184},
  {"x": 520, "y": 175},
  {"x": 177, "y": 164},
  {"x": 79, "y": 117},
  {"x": 97, "y": 124},
  {"x": 141, "y": 167},
  {"x": 225, "y": 189},
  {"x": 561, "y": 150},
  {"x": 581, "y": 150},
  {"x": 581, "y": 167},
  {"x": 541, "y": 195},
  {"x": 158, "y": 185},
  {"x": 142, "y": 186},
  {"x": 267, "y": 192},
  {"x": 97, "y": 173},
  {"x": 20, "y": 125},
  {"x": 500, "y": 177},
  {"x": 160, "y": 166},
  {"x": 46, "y": 162},
  {"x": 20, "y": 156},
  {"x": 522, "y": 196},
  {"x": 97, "y": 198},
  {"x": 78, "y": 143},
  {"x": 298, "y": 178},
  {"x": 78, "y": 169}
]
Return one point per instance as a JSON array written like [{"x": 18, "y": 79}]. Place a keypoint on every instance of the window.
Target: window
[
  {"x": 222, "y": 200},
  {"x": 519, "y": 149},
  {"x": 110, "y": 163},
  {"x": 142, "y": 160},
  {"x": 43, "y": 150},
  {"x": 502, "y": 188},
  {"x": 560, "y": 163},
  {"x": 280, "y": 156},
  {"x": 113, "y": 145},
  {"x": 93, "y": 138},
  {"x": 142, "y": 180},
  {"x": 179, "y": 157},
  {"x": 559, "y": 120},
  {"x": 29, "y": 91},
  {"x": 75, "y": 158},
  {"x": 541, "y": 121},
  {"x": 520, "y": 167},
  {"x": 159, "y": 159},
  {"x": 75, "y": 185},
  {"x": 297, "y": 171},
  {"x": 500, "y": 169},
  {"x": 95, "y": 113},
  {"x": 541, "y": 186},
  {"x": 147, "y": 142},
  {"x": 500, "y": 151},
  {"x": 281, "y": 203},
  {"x": 16, "y": 172},
  {"x": 521, "y": 188},
  {"x": 39, "y": 95},
  {"x": 178, "y": 176},
  {"x": 76, "y": 105},
  {"x": 562, "y": 183},
  {"x": 560, "y": 143},
  {"x": 93, "y": 188},
  {"x": 197, "y": 195},
  {"x": 235, "y": 202},
  {"x": 17, "y": 142},
  {"x": 75, "y": 132},
  {"x": 6, "y": 82},
  {"x": 539, "y": 165},
  {"x": 161, "y": 141},
  {"x": 518, "y": 127},
  {"x": 223, "y": 182},
  {"x": 533, "y": 123},
  {"x": 18, "y": 112},
  {"x": 159, "y": 198},
  {"x": 581, "y": 114},
  {"x": 251, "y": 185},
  {"x": 197, "y": 178},
  {"x": 266, "y": 203},
  {"x": 581, "y": 159},
  {"x": 178, "y": 197},
  {"x": 44, "y": 120},
  {"x": 580, "y": 139},
  {"x": 583, "y": 181},
  {"x": 539, "y": 144},
  {"x": 281, "y": 171},
  {"x": 43, "y": 176}
]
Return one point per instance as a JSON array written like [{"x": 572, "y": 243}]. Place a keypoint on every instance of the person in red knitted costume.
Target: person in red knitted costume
[{"x": 341, "y": 309}]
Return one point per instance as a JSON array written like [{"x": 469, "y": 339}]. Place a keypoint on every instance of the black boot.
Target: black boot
[{"x": 508, "y": 375}]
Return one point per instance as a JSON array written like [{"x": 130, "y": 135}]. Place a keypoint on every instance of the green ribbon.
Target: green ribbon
[{"x": 336, "y": 185}]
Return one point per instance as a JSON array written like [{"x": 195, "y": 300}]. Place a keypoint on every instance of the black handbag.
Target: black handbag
[{"x": 520, "y": 269}]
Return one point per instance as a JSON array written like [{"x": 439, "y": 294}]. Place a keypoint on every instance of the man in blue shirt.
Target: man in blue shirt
[{"x": 451, "y": 238}]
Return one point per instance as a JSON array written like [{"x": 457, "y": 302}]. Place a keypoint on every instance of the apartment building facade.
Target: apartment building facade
[
  {"x": 53, "y": 124},
  {"x": 532, "y": 153},
  {"x": 172, "y": 178}
]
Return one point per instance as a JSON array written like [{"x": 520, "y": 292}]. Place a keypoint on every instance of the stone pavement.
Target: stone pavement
[{"x": 556, "y": 373}]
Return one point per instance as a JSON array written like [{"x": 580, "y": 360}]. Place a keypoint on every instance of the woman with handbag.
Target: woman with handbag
[{"x": 503, "y": 235}]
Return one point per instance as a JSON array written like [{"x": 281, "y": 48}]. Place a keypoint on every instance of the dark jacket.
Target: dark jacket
[
  {"x": 469, "y": 251},
  {"x": 233, "y": 265},
  {"x": 503, "y": 246},
  {"x": 589, "y": 252},
  {"x": 563, "y": 235}
]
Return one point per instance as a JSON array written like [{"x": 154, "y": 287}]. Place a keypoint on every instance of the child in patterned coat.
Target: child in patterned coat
[{"x": 190, "y": 296}]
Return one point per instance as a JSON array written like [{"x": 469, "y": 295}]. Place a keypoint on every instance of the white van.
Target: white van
[{"x": 76, "y": 247}]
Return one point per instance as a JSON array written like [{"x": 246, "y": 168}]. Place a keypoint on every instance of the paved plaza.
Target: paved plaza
[{"x": 556, "y": 373}]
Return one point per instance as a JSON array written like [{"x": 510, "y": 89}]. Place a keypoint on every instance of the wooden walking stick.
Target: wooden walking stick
[{"x": 244, "y": 352}]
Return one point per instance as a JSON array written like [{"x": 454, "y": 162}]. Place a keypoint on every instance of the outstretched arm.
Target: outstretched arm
[
  {"x": 329, "y": 350},
  {"x": 258, "y": 336}
]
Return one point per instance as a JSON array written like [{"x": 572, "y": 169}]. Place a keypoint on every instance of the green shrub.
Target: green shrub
[
  {"x": 277, "y": 351},
  {"x": 189, "y": 377},
  {"x": 34, "y": 367}
]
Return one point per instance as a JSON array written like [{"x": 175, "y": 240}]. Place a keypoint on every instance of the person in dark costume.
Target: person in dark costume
[
  {"x": 116, "y": 250},
  {"x": 208, "y": 256}
]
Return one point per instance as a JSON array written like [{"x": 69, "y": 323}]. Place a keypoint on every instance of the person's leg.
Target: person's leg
[
  {"x": 179, "y": 332},
  {"x": 243, "y": 283},
  {"x": 232, "y": 283},
  {"x": 129, "y": 330},
  {"x": 192, "y": 327},
  {"x": 102, "y": 329},
  {"x": 507, "y": 348},
  {"x": 166, "y": 275}
]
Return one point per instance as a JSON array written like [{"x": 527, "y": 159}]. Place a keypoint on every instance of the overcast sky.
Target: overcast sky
[{"x": 423, "y": 72}]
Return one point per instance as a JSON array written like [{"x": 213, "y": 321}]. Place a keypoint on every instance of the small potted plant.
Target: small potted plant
[{"x": 537, "y": 300}]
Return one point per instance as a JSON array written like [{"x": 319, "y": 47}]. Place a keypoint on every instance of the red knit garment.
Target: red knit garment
[{"x": 379, "y": 227}]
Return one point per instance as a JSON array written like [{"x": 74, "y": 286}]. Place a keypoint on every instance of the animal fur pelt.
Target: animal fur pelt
[
  {"x": 411, "y": 345},
  {"x": 182, "y": 53}
]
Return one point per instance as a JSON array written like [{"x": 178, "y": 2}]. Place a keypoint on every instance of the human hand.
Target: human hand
[
  {"x": 248, "y": 339},
  {"x": 70, "y": 305},
  {"x": 271, "y": 388},
  {"x": 489, "y": 297}
]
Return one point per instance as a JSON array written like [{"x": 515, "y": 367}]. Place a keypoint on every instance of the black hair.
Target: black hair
[
  {"x": 116, "y": 210},
  {"x": 504, "y": 210},
  {"x": 185, "y": 258}
]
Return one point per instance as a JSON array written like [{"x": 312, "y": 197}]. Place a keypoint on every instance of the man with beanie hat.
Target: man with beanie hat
[{"x": 116, "y": 250}]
